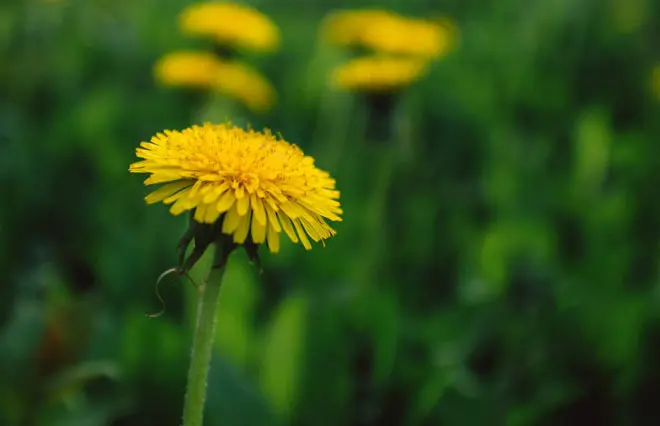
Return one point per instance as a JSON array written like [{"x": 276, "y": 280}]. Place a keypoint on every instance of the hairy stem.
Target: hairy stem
[{"x": 209, "y": 298}]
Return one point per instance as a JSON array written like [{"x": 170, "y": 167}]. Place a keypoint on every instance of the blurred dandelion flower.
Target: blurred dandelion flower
[
  {"x": 377, "y": 74},
  {"x": 404, "y": 36},
  {"x": 232, "y": 24},
  {"x": 253, "y": 182},
  {"x": 244, "y": 83},
  {"x": 206, "y": 71},
  {"x": 389, "y": 33},
  {"x": 345, "y": 28},
  {"x": 189, "y": 69}
]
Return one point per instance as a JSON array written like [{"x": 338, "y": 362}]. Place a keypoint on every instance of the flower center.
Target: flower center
[{"x": 246, "y": 180}]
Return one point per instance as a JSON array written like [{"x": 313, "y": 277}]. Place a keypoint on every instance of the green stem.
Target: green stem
[
  {"x": 376, "y": 210},
  {"x": 202, "y": 349}
]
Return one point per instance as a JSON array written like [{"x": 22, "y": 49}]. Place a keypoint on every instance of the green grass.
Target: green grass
[{"x": 497, "y": 262}]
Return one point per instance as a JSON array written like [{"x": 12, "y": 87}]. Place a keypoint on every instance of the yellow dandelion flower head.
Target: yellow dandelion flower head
[
  {"x": 345, "y": 27},
  {"x": 378, "y": 73},
  {"x": 233, "y": 24},
  {"x": 188, "y": 69},
  {"x": 244, "y": 83},
  {"x": 257, "y": 184},
  {"x": 655, "y": 81},
  {"x": 406, "y": 36},
  {"x": 390, "y": 33}
]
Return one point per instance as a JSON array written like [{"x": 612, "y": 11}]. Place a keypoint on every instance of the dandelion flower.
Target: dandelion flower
[
  {"x": 190, "y": 69},
  {"x": 236, "y": 25},
  {"x": 389, "y": 33},
  {"x": 202, "y": 70},
  {"x": 254, "y": 183},
  {"x": 345, "y": 28},
  {"x": 242, "y": 82},
  {"x": 377, "y": 74},
  {"x": 412, "y": 37}
]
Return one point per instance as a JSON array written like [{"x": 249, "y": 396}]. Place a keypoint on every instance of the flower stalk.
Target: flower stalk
[
  {"x": 380, "y": 122},
  {"x": 202, "y": 347}
]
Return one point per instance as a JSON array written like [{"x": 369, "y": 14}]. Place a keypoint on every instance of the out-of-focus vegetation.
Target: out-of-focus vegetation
[{"x": 497, "y": 263}]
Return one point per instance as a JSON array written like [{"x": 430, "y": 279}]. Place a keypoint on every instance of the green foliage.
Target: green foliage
[
  {"x": 497, "y": 263},
  {"x": 282, "y": 355}
]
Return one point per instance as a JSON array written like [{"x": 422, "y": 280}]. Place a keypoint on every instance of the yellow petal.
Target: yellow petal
[
  {"x": 166, "y": 191},
  {"x": 243, "y": 205},
  {"x": 200, "y": 212},
  {"x": 321, "y": 227},
  {"x": 215, "y": 192},
  {"x": 258, "y": 210},
  {"x": 161, "y": 178},
  {"x": 326, "y": 231},
  {"x": 302, "y": 235},
  {"x": 272, "y": 218},
  {"x": 258, "y": 230},
  {"x": 318, "y": 207},
  {"x": 226, "y": 201},
  {"x": 212, "y": 214},
  {"x": 290, "y": 209},
  {"x": 310, "y": 230},
  {"x": 273, "y": 204},
  {"x": 194, "y": 191},
  {"x": 180, "y": 206},
  {"x": 243, "y": 228},
  {"x": 273, "y": 240},
  {"x": 181, "y": 194},
  {"x": 287, "y": 226},
  {"x": 206, "y": 189},
  {"x": 231, "y": 221}
]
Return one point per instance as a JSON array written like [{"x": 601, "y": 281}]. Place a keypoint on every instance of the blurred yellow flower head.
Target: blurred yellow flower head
[
  {"x": 387, "y": 32},
  {"x": 188, "y": 69},
  {"x": 244, "y": 83},
  {"x": 374, "y": 74},
  {"x": 206, "y": 71},
  {"x": 256, "y": 185},
  {"x": 232, "y": 24},
  {"x": 345, "y": 28}
]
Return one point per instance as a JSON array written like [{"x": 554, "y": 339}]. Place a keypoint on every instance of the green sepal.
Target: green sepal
[
  {"x": 203, "y": 235},
  {"x": 252, "y": 251}
]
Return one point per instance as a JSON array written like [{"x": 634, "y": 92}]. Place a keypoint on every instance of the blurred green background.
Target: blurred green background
[{"x": 497, "y": 265}]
